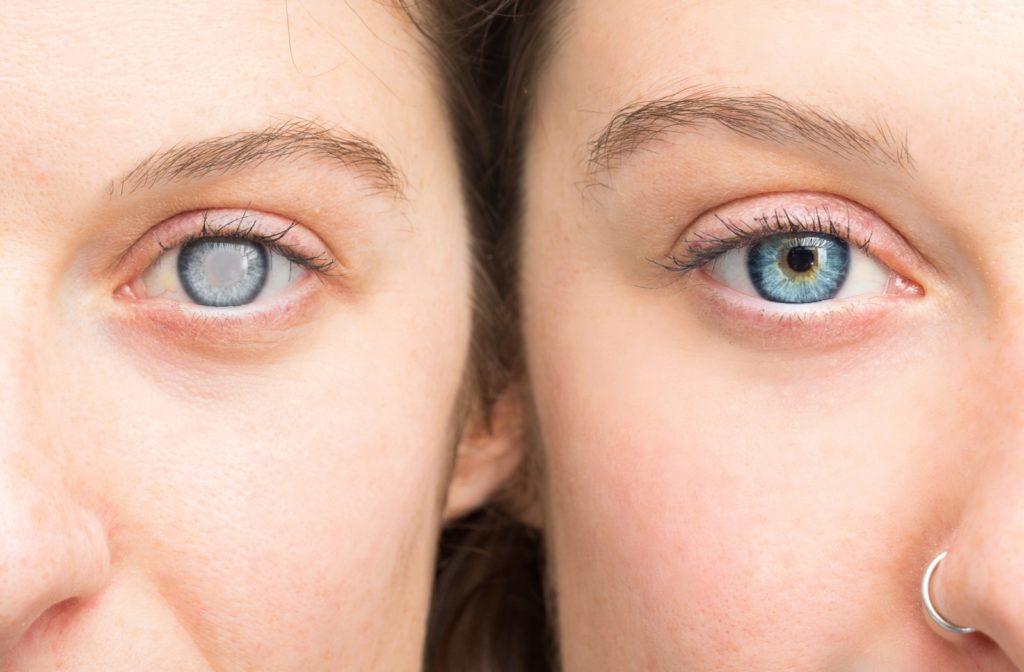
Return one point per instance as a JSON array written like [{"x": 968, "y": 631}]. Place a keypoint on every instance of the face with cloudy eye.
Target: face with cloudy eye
[
  {"x": 236, "y": 316},
  {"x": 773, "y": 320}
]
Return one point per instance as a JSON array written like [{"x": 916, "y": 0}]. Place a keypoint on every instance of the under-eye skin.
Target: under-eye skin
[
  {"x": 221, "y": 261},
  {"x": 798, "y": 249}
]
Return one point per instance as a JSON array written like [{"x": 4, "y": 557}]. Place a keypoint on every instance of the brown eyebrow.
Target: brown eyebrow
[
  {"x": 762, "y": 117},
  {"x": 290, "y": 140}
]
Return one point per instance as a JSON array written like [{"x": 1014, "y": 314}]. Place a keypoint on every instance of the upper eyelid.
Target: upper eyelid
[
  {"x": 146, "y": 249},
  {"x": 853, "y": 220},
  {"x": 744, "y": 235},
  {"x": 321, "y": 263}
]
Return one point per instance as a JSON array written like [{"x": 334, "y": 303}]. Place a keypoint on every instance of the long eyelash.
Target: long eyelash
[
  {"x": 704, "y": 248},
  {"x": 239, "y": 229}
]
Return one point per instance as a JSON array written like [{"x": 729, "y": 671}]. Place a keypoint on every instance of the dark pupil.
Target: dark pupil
[{"x": 800, "y": 259}]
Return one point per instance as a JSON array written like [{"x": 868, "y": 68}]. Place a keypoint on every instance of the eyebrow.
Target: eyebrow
[
  {"x": 290, "y": 140},
  {"x": 762, "y": 117}
]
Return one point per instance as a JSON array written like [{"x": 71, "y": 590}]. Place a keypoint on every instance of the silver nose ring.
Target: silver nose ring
[{"x": 927, "y": 599}]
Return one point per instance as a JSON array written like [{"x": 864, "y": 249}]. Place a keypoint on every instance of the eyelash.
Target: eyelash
[
  {"x": 705, "y": 248},
  {"x": 237, "y": 229}
]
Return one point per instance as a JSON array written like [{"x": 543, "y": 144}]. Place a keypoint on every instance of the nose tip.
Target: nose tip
[
  {"x": 49, "y": 556},
  {"x": 979, "y": 606},
  {"x": 980, "y": 582}
]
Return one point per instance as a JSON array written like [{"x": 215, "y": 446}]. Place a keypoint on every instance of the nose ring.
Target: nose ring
[{"x": 927, "y": 599}]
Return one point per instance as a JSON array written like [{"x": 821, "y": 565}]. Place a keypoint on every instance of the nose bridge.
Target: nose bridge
[
  {"x": 995, "y": 388},
  {"x": 20, "y": 368}
]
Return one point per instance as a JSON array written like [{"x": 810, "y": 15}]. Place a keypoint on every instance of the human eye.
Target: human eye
[
  {"x": 224, "y": 259},
  {"x": 799, "y": 270},
  {"x": 795, "y": 250},
  {"x": 227, "y": 267},
  {"x": 801, "y": 267}
]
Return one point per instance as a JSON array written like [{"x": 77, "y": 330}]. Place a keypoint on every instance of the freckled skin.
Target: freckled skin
[
  {"x": 730, "y": 486},
  {"x": 177, "y": 494}
]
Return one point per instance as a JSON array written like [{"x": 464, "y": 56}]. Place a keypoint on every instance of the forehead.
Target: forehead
[
  {"x": 107, "y": 84},
  {"x": 953, "y": 65}
]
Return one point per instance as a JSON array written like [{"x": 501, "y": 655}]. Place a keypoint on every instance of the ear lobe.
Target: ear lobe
[{"x": 488, "y": 454}]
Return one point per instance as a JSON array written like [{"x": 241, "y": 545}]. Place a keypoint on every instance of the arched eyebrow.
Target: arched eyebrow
[
  {"x": 762, "y": 117},
  {"x": 290, "y": 140}
]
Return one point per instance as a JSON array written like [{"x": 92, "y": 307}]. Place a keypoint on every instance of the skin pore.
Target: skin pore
[
  {"x": 250, "y": 486},
  {"x": 734, "y": 482}
]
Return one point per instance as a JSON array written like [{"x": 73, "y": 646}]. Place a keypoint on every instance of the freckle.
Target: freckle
[{"x": 41, "y": 177}]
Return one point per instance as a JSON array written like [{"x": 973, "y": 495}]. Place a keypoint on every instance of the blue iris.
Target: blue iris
[
  {"x": 223, "y": 271},
  {"x": 798, "y": 267}
]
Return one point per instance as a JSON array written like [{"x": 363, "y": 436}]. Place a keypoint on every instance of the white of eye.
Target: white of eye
[{"x": 865, "y": 276}]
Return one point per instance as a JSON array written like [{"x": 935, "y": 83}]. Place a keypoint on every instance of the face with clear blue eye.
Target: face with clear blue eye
[
  {"x": 772, "y": 318},
  {"x": 234, "y": 336}
]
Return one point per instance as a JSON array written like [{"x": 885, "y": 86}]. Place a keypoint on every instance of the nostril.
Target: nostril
[
  {"x": 49, "y": 570},
  {"x": 51, "y": 621}
]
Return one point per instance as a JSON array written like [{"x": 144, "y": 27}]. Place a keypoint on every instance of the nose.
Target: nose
[
  {"x": 51, "y": 551},
  {"x": 980, "y": 583},
  {"x": 53, "y": 548}
]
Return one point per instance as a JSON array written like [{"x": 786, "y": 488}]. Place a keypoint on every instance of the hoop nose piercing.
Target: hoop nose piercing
[{"x": 927, "y": 599}]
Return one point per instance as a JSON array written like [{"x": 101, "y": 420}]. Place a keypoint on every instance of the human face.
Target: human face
[
  {"x": 755, "y": 440},
  {"x": 186, "y": 486}
]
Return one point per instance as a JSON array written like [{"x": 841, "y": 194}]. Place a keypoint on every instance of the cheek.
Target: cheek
[
  {"x": 693, "y": 483},
  {"x": 286, "y": 511}
]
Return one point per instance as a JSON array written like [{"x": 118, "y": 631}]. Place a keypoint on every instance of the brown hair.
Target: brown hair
[{"x": 488, "y": 610}]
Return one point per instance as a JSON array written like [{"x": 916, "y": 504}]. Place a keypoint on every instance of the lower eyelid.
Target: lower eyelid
[
  {"x": 178, "y": 230},
  {"x": 823, "y": 325},
  {"x": 195, "y": 325}
]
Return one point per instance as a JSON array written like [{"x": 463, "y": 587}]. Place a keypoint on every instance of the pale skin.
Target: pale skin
[
  {"x": 733, "y": 483},
  {"x": 256, "y": 487}
]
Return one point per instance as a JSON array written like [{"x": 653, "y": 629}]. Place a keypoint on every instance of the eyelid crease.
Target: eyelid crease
[
  {"x": 704, "y": 248},
  {"x": 321, "y": 264}
]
